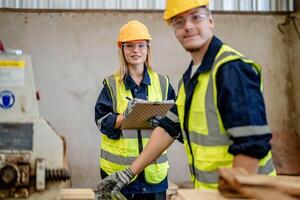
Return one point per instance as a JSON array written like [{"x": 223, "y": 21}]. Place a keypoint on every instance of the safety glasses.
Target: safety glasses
[
  {"x": 195, "y": 18},
  {"x": 133, "y": 46}
]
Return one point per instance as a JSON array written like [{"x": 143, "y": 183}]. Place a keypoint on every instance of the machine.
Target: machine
[{"x": 31, "y": 153}]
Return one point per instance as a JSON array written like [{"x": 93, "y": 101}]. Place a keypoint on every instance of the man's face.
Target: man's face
[{"x": 193, "y": 28}]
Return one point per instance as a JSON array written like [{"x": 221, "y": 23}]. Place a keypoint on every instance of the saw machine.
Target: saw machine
[{"x": 31, "y": 152}]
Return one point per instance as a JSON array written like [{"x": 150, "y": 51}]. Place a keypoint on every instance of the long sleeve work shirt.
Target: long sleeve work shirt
[
  {"x": 239, "y": 100},
  {"x": 104, "y": 111}
]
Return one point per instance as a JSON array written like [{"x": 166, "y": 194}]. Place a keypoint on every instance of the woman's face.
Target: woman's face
[{"x": 135, "y": 52}]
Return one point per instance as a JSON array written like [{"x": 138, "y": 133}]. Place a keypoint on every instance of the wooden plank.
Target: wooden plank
[
  {"x": 194, "y": 194},
  {"x": 172, "y": 189},
  {"x": 77, "y": 194},
  {"x": 264, "y": 193},
  {"x": 290, "y": 185},
  {"x": 238, "y": 182}
]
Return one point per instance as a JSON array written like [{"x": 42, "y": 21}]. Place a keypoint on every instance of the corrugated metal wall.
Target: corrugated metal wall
[{"x": 222, "y": 5}]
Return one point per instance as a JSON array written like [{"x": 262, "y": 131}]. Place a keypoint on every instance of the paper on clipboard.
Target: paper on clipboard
[{"x": 144, "y": 110}]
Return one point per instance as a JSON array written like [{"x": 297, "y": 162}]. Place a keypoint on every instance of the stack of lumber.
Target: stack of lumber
[{"x": 238, "y": 183}]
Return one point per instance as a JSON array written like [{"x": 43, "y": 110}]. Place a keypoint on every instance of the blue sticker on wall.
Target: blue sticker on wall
[{"x": 7, "y": 99}]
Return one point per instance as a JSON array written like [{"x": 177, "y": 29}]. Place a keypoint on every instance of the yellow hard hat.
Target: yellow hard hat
[
  {"x": 175, "y": 7},
  {"x": 133, "y": 30}
]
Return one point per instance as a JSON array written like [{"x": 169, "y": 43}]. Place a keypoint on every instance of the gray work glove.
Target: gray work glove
[
  {"x": 131, "y": 103},
  {"x": 154, "y": 121},
  {"x": 113, "y": 184}
]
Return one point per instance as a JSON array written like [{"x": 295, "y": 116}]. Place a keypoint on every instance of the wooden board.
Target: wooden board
[
  {"x": 77, "y": 194},
  {"x": 193, "y": 194},
  {"x": 88, "y": 194},
  {"x": 238, "y": 182},
  {"x": 172, "y": 188}
]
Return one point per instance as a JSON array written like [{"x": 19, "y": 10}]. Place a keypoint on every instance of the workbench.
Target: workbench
[{"x": 193, "y": 194}]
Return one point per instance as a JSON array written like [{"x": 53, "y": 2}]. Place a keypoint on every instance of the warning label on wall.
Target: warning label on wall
[{"x": 12, "y": 72}]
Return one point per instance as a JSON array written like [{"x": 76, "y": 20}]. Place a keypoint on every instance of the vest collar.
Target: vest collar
[
  {"x": 208, "y": 58},
  {"x": 130, "y": 84}
]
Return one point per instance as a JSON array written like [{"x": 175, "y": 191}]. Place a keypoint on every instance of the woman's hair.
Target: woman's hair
[{"x": 123, "y": 65}]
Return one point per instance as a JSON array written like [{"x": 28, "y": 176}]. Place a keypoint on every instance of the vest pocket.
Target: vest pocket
[
  {"x": 113, "y": 154},
  {"x": 211, "y": 158},
  {"x": 197, "y": 121},
  {"x": 117, "y": 147}
]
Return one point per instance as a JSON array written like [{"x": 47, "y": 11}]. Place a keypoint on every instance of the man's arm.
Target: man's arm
[
  {"x": 161, "y": 138},
  {"x": 246, "y": 162},
  {"x": 159, "y": 141},
  {"x": 242, "y": 109}
]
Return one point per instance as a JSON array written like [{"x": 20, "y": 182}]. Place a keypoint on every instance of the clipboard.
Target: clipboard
[{"x": 144, "y": 110}]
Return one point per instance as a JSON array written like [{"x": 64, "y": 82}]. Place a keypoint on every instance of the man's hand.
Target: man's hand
[
  {"x": 154, "y": 121},
  {"x": 113, "y": 184},
  {"x": 130, "y": 105}
]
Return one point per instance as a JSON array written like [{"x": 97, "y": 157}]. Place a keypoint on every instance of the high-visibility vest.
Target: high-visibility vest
[
  {"x": 118, "y": 154},
  {"x": 207, "y": 141}
]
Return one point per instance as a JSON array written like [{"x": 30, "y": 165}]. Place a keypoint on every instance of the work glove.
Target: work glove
[
  {"x": 154, "y": 121},
  {"x": 131, "y": 103},
  {"x": 112, "y": 185}
]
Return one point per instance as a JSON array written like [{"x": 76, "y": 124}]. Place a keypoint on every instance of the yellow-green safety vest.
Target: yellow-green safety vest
[
  {"x": 209, "y": 141},
  {"x": 118, "y": 154}
]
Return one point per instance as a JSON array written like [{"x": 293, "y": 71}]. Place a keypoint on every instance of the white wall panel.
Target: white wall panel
[
  {"x": 221, "y": 5},
  {"x": 245, "y": 5}
]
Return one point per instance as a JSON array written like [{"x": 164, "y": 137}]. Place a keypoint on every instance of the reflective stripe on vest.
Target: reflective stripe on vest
[
  {"x": 121, "y": 160},
  {"x": 209, "y": 140},
  {"x": 119, "y": 154},
  {"x": 212, "y": 177},
  {"x": 111, "y": 83}
]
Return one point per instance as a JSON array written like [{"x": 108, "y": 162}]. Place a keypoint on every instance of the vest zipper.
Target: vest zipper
[
  {"x": 187, "y": 106},
  {"x": 140, "y": 141}
]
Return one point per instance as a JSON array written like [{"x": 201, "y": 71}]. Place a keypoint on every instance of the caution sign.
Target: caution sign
[{"x": 12, "y": 72}]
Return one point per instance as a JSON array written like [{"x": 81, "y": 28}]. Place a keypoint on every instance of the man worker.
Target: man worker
[{"x": 219, "y": 113}]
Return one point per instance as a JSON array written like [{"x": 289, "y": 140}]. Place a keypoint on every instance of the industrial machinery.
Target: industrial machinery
[{"x": 31, "y": 153}]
